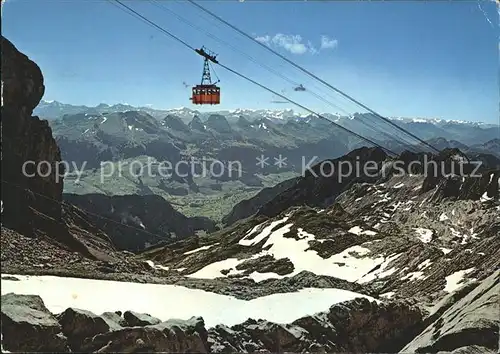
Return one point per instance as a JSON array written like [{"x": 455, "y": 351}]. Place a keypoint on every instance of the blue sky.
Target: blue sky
[{"x": 401, "y": 58}]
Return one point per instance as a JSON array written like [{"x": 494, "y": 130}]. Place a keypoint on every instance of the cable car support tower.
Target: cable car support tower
[{"x": 207, "y": 92}]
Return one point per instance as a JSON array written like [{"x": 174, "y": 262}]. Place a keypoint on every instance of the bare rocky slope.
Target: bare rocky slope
[
  {"x": 147, "y": 219},
  {"x": 417, "y": 253}
]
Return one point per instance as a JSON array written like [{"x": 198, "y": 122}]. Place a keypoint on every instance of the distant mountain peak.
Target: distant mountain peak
[
  {"x": 218, "y": 123},
  {"x": 243, "y": 122},
  {"x": 175, "y": 123},
  {"x": 196, "y": 124}
]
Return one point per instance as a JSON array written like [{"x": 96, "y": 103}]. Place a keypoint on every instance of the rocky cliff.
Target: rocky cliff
[
  {"x": 31, "y": 196},
  {"x": 26, "y": 138}
]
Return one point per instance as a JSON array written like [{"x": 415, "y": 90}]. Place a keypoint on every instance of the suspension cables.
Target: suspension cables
[
  {"x": 345, "y": 95},
  {"x": 138, "y": 15},
  {"x": 400, "y": 140},
  {"x": 305, "y": 108},
  {"x": 249, "y": 57},
  {"x": 153, "y": 24}
]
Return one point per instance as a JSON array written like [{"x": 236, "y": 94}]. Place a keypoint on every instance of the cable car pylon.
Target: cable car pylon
[{"x": 207, "y": 92}]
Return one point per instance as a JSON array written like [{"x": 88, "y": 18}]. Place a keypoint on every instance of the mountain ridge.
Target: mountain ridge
[{"x": 274, "y": 113}]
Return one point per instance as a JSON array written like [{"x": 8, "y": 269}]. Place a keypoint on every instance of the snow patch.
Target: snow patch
[
  {"x": 425, "y": 235},
  {"x": 202, "y": 248},
  {"x": 263, "y": 234},
  {"x": 424, "y": 264},
  {"x": 380, "y": 272},
  {"x": 350, "y": 264},
  {"x": 213, "y": 270},
  {"x": 59, "y": 293},
  {"x": 359, "y": 231},
  {"x": 454, "y": 280},
  {"x": 419, "y": 275},
  {"x": 156, "y": 266},
  {"x": 485, "y": 198}
]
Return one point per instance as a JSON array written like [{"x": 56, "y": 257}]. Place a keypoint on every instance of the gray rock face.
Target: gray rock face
[
  {"x": 26, "y": 138},
  {"x": 173, "y": 336},
  {"x": 28, "y": 326},
  {"x": 471, "y": 322},
  {"x": 472, "y": 349},
  {"x": 114, "y": 320},
  {"x": 357, "y": 326},
  {"x": 139, "y": 319},
  {"x": 79, "y": 324}
]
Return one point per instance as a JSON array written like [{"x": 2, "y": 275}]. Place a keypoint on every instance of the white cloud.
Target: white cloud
[
  {"x": 263, "y": 39},
  {"x": 312, "y": 50},
  {"x": 327, "y": 43},
  {"x": 292, "y": 43},
  {"x": 295, "y": 44}
]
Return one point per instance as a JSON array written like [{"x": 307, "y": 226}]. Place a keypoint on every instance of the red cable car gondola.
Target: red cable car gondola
[{"x": 207, "y": 92}]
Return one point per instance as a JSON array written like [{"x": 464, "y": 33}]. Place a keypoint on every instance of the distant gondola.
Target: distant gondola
[{"x": 299, "y": 88}]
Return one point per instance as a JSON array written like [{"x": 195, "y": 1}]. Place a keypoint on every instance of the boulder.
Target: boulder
[
  {"x": 79, "y": 324},
  {"x": 171, "y": 336},
  {"x": 28, "y": 326},
  {"x": 134, "y": 319}
]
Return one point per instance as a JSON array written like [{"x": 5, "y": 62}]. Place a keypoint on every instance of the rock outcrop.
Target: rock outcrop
[
  {"x": 31, "y": 196},
  {"x": 196, "y": 124},
  {"x": 28, "y": 326},
  {"x": 472, "y": 320},
  {"x": 26, "y": 139},
  {"x": 357, "y": 326}
]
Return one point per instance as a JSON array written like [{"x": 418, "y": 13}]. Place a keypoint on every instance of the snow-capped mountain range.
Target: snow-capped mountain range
[
  {"x": 55, "y": 110},
  {"x": 469, "y": 133}
]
